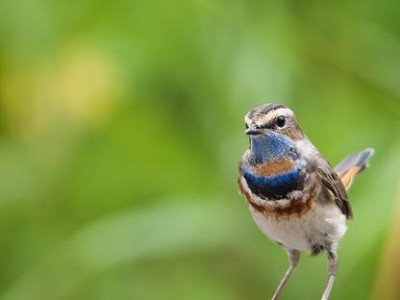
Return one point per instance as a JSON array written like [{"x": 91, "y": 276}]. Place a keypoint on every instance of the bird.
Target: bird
[{"x": 294, "y": 195}]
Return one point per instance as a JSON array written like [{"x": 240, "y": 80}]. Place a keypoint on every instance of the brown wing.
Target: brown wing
[{"x": 331, "y": 181}]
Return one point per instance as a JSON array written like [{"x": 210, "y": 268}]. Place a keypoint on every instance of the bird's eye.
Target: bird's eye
[
  {"x": 247, "y": 126},
  {"x": 280, "y": 121}
]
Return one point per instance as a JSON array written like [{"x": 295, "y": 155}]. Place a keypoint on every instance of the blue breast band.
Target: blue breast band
[{"x": 274, "y": 187}]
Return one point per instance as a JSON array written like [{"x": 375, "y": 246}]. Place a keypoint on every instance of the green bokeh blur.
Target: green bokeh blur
[{"x": 121, "y": 126}]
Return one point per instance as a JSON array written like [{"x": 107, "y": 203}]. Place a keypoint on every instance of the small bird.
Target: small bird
[{"x": 295, "y": 197}]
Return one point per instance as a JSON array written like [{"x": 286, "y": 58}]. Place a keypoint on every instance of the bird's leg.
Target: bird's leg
[
  {"x": 332, "y": 269},
  {"x": 294, "y": 256}
]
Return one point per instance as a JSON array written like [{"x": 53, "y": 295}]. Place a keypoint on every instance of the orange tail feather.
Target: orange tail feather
[{"x": 353, "y": 165}]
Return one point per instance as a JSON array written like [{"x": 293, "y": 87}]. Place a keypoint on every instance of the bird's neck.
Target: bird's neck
[{"x": 270, "y": 147}]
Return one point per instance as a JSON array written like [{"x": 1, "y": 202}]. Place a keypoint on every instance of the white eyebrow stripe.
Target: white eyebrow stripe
[
  {"x": 274, "y": 114},
  {"x": 246, "y": 119}
]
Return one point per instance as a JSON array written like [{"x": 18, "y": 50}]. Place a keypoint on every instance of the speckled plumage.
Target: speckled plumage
[{"x": 295, "y": 197}]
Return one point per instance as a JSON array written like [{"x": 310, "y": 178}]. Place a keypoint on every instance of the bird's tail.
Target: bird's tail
[{"x": 352, "y": 165}]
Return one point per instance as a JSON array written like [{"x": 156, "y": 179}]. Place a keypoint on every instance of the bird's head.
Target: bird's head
[{"x": 273, "y": 132}]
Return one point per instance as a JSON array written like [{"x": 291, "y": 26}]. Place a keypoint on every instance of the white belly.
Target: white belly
[{"x": 320, "y": 225}]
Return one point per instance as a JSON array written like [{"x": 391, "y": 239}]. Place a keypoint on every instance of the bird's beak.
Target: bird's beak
[{"x": 253, "y": 130}]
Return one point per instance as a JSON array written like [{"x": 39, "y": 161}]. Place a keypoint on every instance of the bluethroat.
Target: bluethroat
[{"x": 295, "y": 197}]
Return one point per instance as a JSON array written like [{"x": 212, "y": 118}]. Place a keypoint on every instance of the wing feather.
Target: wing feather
[{"x": 331, "y": 181}]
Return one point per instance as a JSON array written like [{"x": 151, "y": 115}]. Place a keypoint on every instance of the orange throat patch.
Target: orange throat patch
[{"x": 274, "y": 167}]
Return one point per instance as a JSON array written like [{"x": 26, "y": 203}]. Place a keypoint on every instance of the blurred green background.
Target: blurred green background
[{"x": 121, "y": 126}]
